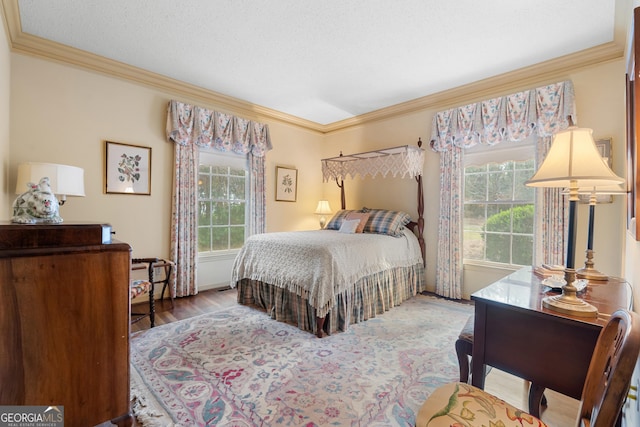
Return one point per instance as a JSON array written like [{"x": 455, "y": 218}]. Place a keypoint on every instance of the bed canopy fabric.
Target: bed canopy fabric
[
  {"x": 405, "y": 160},
  {"x": 402, "y": 160}
]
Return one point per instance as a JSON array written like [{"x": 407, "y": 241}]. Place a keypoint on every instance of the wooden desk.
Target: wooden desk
[{"x": 513, "y": 332}]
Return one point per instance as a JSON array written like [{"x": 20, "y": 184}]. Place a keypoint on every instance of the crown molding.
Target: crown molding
[
  {"x": 538, "y": 74},
  {"x": 39, "y": 47},
  {"x": 542, "y": 73}
]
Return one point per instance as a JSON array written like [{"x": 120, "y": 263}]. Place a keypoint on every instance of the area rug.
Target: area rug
[{"x": 240, "y": 368}]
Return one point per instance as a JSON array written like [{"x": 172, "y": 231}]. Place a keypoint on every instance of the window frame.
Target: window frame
[
  {"x": 218, "y": 158},
  {"x": 482, "y": 156}
]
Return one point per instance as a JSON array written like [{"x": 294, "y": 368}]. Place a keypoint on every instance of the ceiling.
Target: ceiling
[{"x": 324, "y": 61}]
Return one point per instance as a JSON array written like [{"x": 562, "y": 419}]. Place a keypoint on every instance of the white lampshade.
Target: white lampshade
[
  {"x": 64, "y": 180},
  {"x": 574, "y": 161},
  {"x": 323, "y": 208}
]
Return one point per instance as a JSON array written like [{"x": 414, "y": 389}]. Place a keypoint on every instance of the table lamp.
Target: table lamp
[
  {"x": 323, "y": 209},
  {"x": 64, "y": 180},
  {"x": 573, "y": 161},
  {"x": 589, "y": 271}
]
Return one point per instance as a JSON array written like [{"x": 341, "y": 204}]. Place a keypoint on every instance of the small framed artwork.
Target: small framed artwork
[
  {"x": 604, "y": 147},
  {"x": 286, "y": 184},
  {"x": 127, "y": 169}
]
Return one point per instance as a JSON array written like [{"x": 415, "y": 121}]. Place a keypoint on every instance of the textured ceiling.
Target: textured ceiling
[{"x": 329, "y": 60}]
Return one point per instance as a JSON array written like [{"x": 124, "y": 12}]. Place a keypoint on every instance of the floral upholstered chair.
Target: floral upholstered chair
[{"x": 605, "y": 388}]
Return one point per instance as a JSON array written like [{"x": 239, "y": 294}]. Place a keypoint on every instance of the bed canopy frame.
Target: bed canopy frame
[{"x": 404, "y": 161}]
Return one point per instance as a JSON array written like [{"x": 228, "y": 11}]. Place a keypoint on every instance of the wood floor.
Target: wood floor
[{"x": 560, "y": 411}]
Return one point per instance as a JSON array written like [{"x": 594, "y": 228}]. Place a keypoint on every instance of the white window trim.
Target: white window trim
[
  {"x": 212, "y": 157},
  {"x": 482, "y": 154}
]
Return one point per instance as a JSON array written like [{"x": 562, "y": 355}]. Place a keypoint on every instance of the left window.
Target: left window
[{"x": 222, "y": 202}]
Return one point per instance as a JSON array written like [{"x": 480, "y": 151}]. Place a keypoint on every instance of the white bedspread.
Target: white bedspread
[{"x": 321, "y": 264}]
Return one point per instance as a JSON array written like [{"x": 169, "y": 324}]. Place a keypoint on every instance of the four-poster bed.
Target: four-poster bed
[{"x": 362, "y": 264}]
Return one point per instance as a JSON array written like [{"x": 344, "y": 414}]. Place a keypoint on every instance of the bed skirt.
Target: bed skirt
[{"x": 370, "y": 296}]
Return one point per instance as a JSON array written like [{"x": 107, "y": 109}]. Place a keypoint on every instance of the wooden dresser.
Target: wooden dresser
[{"x": 64, "y": 321}]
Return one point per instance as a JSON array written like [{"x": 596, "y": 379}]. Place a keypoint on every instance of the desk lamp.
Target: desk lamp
[
  {"x": 573, "y": 161},
  {"x": 589, "y": 271}
]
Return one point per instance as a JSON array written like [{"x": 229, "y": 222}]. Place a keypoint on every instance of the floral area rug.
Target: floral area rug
[{"x": 238, "y": 367}]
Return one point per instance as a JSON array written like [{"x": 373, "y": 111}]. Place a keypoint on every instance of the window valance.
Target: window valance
[
  {"x": 544, "y": 110},
  {"x": 189, "y": 124},
  {"x": 405, "y": 160}
]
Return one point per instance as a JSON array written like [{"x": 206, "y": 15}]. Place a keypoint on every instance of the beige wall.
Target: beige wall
[
  {"x": 64, "y": 114},
  {"x": 600, "y": 105},
  {"x": 5, "y": 85}
]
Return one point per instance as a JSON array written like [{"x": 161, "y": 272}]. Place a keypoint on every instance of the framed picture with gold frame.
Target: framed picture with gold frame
[
  {"x": 286, "y": 184},
  {"x": 127, "y": 169}
]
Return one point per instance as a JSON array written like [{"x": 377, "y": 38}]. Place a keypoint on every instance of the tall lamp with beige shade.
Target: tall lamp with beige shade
[
  {"x": 589, "y": 271},
  {"x": 573, "y": 161}
]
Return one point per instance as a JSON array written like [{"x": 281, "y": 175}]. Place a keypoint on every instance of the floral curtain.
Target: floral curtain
[
  {"x": 537, "y": 113},
  {"x": 190, "y": 128}
]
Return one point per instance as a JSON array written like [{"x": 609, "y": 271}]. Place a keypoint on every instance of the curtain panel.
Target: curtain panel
[
  {"x": 191, "y": 128},
  {"x": 537, "y": 113}
]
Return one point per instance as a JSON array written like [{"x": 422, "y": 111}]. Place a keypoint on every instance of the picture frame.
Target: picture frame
[
  {"x": 127, "y": 169},
  {"x": 286, "y": 184}
]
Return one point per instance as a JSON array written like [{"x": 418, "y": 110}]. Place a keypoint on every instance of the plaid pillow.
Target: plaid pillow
[{"x": 383, "y": 221}]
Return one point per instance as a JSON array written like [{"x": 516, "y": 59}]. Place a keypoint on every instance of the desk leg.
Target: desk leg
[
  {"x": 478, "y": 368},
  {"x": 536, "y": 398}
]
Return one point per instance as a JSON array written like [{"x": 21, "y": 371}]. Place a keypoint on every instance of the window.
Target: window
[
  {"x": 222, "y": 199},
  {"x": 499, "y": 209}
]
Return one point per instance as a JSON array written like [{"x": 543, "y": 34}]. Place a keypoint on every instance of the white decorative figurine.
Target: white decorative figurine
[{"x": 37, "y": 206}]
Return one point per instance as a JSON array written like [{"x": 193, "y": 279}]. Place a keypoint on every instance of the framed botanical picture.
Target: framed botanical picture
[
  {"x": 127, "y": 169},
  {"x": 286, "y": 184}
]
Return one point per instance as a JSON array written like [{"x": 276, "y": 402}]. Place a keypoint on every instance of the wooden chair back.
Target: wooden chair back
[{"x": 609, "y": 375}]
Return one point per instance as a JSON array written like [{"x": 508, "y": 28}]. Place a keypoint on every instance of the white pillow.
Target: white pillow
[{"x": 349, "y": 226}]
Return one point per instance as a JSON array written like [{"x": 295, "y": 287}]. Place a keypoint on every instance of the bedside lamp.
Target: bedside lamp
[
  {"x": 64, "y": 180},
  {"x": 573, "y": 161},
  {"x": 323, "y": 209}
]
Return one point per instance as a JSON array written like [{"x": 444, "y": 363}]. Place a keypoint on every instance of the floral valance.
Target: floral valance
[
  {"x": 544, "y": 110},
  {"x": 188, "y": 124}
]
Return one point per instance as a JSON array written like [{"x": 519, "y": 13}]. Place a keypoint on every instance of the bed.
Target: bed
[
  {"x": 324, "y": 280},
  {"x": 362, "y": 264}
]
